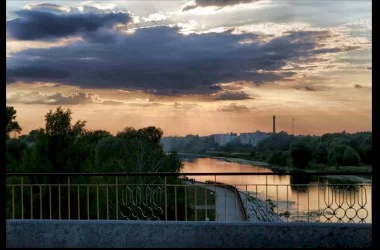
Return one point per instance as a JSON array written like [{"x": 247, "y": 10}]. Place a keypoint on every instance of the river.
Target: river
[{"x": 303, "y": 199}]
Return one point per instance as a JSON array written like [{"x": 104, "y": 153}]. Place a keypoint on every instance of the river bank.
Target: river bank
[{"x": 275, "y": 168}]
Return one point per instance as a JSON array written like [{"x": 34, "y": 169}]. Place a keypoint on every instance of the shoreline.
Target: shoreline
[{"x": 352, "y": 178}]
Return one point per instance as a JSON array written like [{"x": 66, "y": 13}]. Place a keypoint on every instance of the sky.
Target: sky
[{"x": 193, "y": 67}]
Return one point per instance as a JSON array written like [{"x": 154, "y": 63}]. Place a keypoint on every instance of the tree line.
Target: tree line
[
  {"x": 332, "y": 149},
  {"x": 62, "y": 146},
  {"x": 302, "y": 151}
]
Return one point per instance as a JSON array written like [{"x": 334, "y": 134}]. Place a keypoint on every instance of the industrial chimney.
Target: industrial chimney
[{"x": 274, "y": 124}]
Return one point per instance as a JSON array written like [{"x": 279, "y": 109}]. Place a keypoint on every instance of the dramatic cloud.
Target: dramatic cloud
[
  {"x": 157, "y": 60},
  {"x": 54, "y": 99},
  {"x": 233, "y": 95},
  {"x": 155, "y": 17},
  {"x": 45, "y": 25},
  {"x": 185, "y": 105},
  {"x": 233, "y": 107},
  {"x": 216, "y": 3},
  {"x": 48, "y": 7}
]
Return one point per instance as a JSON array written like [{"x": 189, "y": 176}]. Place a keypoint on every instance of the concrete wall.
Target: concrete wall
[{"x": 46, "y": 233}]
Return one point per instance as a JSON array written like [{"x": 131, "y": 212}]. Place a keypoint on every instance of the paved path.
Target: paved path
[{"x": 227, "y": 204}]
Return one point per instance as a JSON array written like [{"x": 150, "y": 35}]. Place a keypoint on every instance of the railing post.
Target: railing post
[
  {"x": 225, "y": 202},
  {"x": 175, "y": 202},
  {"x": 59, "y": 202},
  {"x": 78, "y": 194},
  {"x": 216, "y": 200},
  {"x": 88, "y": 202},
  {"x": 117, "y": 198},
  {"x": 13, "y": 202},
  {"x": 246, "y": 201},
  {"x": 206, "y": 203},
  {"x": 40, "y": 202},
  {"x": 31, "y": 202},
  {"x": 108, "y": 217},
  {"x": 22, "y": 197},
  {"x": 287, "y": 204},
  {"x": 266, "y": 187},
  {"x": 166, "y": 200},
  {"x": 50, "y": 213},
  {"x": 97, "y": 201},
  {"x": 185, "y": 203},
  {"x": 68, "y": 197}
]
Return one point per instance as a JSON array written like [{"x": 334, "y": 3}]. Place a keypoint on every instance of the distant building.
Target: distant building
[
  {"x": 247, "y": 138},
  {"x": 259, "y": 136},
  {"x": 223, "y": 139},
  {"x": 252, "y": 138}
]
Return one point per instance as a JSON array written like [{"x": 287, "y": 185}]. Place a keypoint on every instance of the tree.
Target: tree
[
  {"x": 10, "y": 120},
  {"x": 134, "y": 151},
  {"x": 301, "y": 154},
  {"x": 350, "y": 157},
  {"x": 335, "y": 153},
  {"x": 320, "y": 155},
  {"x": 61, "y": 136}
]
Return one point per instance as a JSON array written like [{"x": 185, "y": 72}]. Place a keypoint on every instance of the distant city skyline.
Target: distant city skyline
[{"x": 189, "y": 67}]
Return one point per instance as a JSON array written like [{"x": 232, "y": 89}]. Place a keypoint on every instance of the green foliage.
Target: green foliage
[
  {"x": 10, "y": 121},
  {"x": 350, "y": 157},
  {"x": 320, "y": 155},
  {"x": 15, "y": 149},
  {"x": 135, "y": 151},
  {"x": 301, "y": 154}
]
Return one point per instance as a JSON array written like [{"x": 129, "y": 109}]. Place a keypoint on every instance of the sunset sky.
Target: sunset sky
[{"x": 193, "y": 67}]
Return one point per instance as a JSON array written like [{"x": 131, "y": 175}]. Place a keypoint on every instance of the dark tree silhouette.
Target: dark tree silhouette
[
  {"x": 10, "y": 121},
  {"x": 301, "y": 155}
]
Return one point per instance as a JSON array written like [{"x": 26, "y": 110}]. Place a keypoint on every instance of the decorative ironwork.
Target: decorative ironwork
[
  {"x": 345, "y": 204},
  {"x": 142, "y": 202}
]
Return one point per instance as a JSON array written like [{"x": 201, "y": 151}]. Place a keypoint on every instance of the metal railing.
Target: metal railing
[{"x": 292, "y": 197}]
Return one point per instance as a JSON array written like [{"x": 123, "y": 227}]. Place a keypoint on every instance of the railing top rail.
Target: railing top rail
[{"x": 188, "y": 174}]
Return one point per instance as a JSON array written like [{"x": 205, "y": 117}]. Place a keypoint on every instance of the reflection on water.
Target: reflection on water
[{"x": 305, "y": 197}]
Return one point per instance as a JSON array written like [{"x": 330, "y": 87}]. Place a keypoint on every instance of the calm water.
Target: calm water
[{"x": 302, "y": 195}]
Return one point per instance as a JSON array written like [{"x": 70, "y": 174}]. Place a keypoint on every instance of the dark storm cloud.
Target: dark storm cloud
[
  {"x": 369, "y": 68},
  {"x": 160, "y": 60},
  {"x": 44, "y": 73},
  {"x": 45, "y": 25},
  {"x": 233, "y": 107},
  {"x": 358, "y": 86},
  {"x": 233, "y": 95},
  {"x": 216, "y": 3}
]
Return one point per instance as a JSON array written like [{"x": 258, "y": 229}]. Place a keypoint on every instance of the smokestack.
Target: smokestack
[{"x": 274, "y": 124}]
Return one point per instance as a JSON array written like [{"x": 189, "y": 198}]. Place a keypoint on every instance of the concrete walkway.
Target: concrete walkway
[{"x": 227, "y": 203}]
